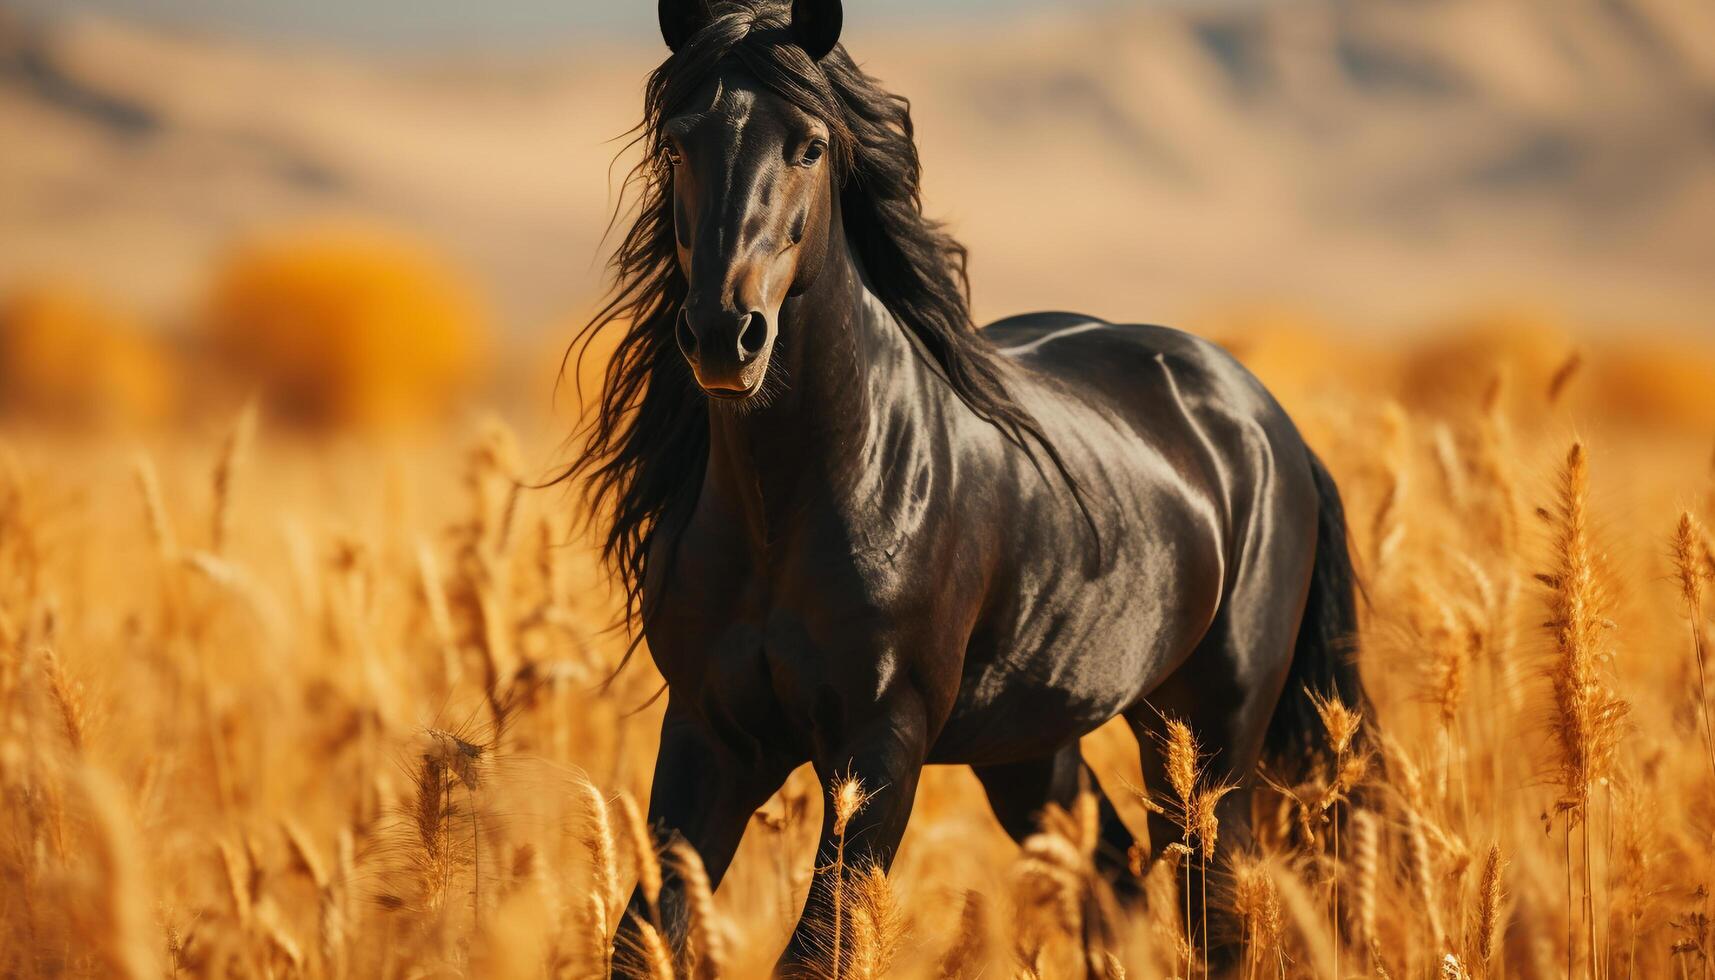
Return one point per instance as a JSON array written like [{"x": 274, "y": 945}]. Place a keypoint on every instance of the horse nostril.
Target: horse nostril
[
  {"x": 682, "y": 332},
  {"x": 752, "y": 336}
]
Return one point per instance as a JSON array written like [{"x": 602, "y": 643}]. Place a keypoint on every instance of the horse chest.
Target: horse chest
[{"x": 772, "y": 662}]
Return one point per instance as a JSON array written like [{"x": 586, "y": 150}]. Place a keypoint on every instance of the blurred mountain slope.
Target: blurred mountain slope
[{"x": 1382, "y": 157}]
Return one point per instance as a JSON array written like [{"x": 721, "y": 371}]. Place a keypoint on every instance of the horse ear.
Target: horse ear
[
  {"x": 816, "y": 26},
  {"x": 680, "y": 19}
]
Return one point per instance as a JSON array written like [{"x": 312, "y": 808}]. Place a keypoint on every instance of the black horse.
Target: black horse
[{"x": 858, "y": 532}]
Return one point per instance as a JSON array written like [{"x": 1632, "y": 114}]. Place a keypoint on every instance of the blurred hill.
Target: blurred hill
[{"x": 1382, "y": 159}]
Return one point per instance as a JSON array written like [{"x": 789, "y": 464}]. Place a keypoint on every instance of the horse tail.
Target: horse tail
[{"x": 1324, "y": 660}]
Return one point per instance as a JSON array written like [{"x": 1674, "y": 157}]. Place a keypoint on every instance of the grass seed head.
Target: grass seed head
[
  {"x": 1205, "y": 816},
  {"x": 642, "y": 849},
  {"x": 1688, "y": 561},
  {"x": 707, "y": 951},
  {"x": 1339, "y": 721},
  {"x": 848, "y": 799},
  {"x": 968, "y": 954},
  {"x": 657, "y": 961},
  {"x": 1182, "y": 761},
  {"x": 1488, "y": 921},
  {"x": 598, "y": 844},
  {"x": 879, "y": 925},
  {"x": 1589, "y": 717}
]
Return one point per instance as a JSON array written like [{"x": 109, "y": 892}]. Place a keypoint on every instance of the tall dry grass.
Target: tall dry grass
[{"x": 277, "y": 708}]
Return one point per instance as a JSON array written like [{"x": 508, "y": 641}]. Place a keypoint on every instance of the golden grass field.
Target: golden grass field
[{"x": 284, "y": 700}]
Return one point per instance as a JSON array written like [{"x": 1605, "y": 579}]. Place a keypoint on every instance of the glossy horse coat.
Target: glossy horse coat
[{"x": 858, "y": 532}]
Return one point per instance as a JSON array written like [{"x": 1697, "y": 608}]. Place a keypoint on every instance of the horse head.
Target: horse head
[{"x": 753, "y": 192}]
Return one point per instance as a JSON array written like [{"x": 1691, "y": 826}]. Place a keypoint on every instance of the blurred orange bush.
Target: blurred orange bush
[
  {"x": 348, "y": 325},
  {"x": 68, "y": 357},
  {"x": 1460, "y": 358},
  {"x": 1297, "y": 354},
  {"x": 1654, "y": 380},
  {"x": 1649, "y": 377}
]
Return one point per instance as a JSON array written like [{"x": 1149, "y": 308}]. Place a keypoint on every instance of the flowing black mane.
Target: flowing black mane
[{"x": 646, "y": 447}]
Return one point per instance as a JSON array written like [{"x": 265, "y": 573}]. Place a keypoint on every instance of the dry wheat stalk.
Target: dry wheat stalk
[
  {"x": 657, "y": 962},
  {"x": 1449, "y": 464},
  {"x": 303, "y": 853},
  {"x": 1687, "y": 545},
  {"x": 1302, "y": 910},
  {"x": 1182, "y": 771},
  {"x": 1387, "y": 527},
  {"x": 1411, "y": 806},
  {"x": 1563, "y": 375},
  {"x": 1366, "y": 849},
  {"x": 1589, "y": 717},
  {"x": 335, "y": 913},
  {"x": 1256, "y": 901},
  {"x": 121, "y": 932},
  {"x": 1048, "y": 885},
  {"x": 1341, "y": 724},
  {"x": 1182, "y": 753},
  {"x": 597, "y": 839},
  {"x": 593, "y": 937},
  {"x": 430, "y": 813},
  {"x": 232, "y": 454},
  {"x": 708, "y": 954},
  {"x": 847, "y": 799},
  {"x": 67, "y": 696},
  {"x": 440, "y": 613},
  {"x": 878, "y": 927},
  {"x": 160, "y": 525},
  {"x": 1486, "y": 924},
  {"x": 969, "y": 953},
  {"x": 1494, "y": 461},
  {"x": 1195, "y": 808},
  {"x": 643, "y": 855},
  {"x": 236, "y": 881}
]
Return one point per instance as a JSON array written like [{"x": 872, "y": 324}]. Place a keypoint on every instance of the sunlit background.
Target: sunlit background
[
  {"x": 195, "y": 187},
  {"x": 284, "y": 293}
]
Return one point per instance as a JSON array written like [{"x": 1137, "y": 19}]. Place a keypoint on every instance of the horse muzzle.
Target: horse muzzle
[{"x": 728, "y": 352}]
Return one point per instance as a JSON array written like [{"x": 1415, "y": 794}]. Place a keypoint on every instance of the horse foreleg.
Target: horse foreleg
[
  {"x": 884, "y": 757},
  {"x": 702, "y": 792}
]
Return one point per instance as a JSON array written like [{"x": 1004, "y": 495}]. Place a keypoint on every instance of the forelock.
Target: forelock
[{"x": 755, "y": 36}]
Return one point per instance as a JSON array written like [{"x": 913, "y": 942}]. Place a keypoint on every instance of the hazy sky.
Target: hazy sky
[{"x": 435, "y": 22}]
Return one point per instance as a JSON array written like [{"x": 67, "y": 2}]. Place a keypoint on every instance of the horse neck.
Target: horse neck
[{"x": 846, "y": 363}]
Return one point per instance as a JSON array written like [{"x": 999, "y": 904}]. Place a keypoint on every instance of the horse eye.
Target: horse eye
[
  {"x": 672, "y": 155},
  {"x": 813, "y": 152}
]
